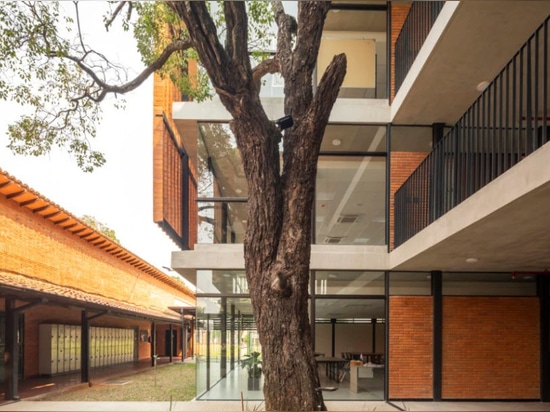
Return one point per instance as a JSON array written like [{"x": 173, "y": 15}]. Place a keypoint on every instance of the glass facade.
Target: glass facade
[
  {"x": 348, "y": 320},
  {"x": 350, "y": 198}
]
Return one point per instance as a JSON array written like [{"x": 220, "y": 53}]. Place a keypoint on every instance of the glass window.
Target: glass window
[
  {"x": 362, "y": 35},
  {"x": 225, "y": 334},
  {"x": 349, "y": 283},
  {"x": 489, "y": 284},
  {"x": 220, "y": 169},
  {"x": 222, "y": 281},
  {"x": 410, "y": 284},
  {"x": 221, "y": 222},
  {"x": 411, "y": 139},
  {"x": 354, "y": 138},
  {"x": 350, "y": 200}
]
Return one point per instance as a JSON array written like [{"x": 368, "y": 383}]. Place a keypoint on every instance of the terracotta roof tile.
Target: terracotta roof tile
[{"x": 10, "y": 280}]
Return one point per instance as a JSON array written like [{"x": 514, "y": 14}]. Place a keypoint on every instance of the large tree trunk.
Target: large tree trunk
[{"x": 277, "y": 246}]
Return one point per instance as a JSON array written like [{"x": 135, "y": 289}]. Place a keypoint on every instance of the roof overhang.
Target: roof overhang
[{"x": 21, "y": 287}]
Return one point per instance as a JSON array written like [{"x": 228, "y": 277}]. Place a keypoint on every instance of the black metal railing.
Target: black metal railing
[
  {"x": 416, "y": 28},
  {"x": 506, "y": 123}
]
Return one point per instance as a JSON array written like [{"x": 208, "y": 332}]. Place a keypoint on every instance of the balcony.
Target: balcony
[{"x": 495, "y": 147}]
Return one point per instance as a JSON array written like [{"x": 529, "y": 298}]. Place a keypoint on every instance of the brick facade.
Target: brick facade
[
  {"x": 491, "y": 348},
  {"x": 35, "y": 248},
  {"x": 168, "y": 169},
  {"x": 410, "y": 356},
  {"x": 402, "y": 165}
]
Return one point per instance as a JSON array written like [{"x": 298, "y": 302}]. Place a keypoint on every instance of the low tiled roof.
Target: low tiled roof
[
  {"x": 24, "y": 196},
  {"x": 31, "y": 288}
]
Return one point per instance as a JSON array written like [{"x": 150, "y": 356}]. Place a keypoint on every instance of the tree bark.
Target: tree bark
[{"x": 277, "y": 246}]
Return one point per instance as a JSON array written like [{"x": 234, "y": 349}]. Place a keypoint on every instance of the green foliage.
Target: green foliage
[
  {"x": 35, "y": 74},
  {"x": 253, "y": 364},
  {"x": 100, "y": 227},
  {"x": 156, "y": 27},
  {"x": 47, "y": 68}
]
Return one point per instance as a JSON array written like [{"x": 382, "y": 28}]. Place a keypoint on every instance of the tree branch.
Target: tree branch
[
  {"x": 286, "y": 29},
  {"x": 202, "y": 30},
  {"x": 178, "y": 45},
  {"x": 327, "y": 91},
  {"x": 236, "y": 41},
  {"x": 119, "y": 8},
  {"x": 269, "y": 66},
  {"x": 311, "y": 17}
]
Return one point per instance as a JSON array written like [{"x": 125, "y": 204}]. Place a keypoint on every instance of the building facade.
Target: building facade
[
  {"x": 75, "y": 301},
  {"x": 430, "y": 251}
]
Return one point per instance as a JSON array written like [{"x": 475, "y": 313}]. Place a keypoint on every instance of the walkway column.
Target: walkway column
[
  {"x": 183, "y": 338},
  {"x": 171, "y": 342},
  {"x": 11, "y": 354},
  {"x": 153, "y": 344},
  {"x": 84, "y": 348}
]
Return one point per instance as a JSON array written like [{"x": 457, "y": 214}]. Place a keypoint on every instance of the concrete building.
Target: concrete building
[
  {"x": 431, "y": 240},
  {"x": 76, "y": 301}
]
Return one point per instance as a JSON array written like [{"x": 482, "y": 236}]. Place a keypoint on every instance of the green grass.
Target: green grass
[{"x": 167, "y": 383}]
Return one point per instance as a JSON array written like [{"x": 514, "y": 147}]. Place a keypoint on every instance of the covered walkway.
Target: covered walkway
[{"x": 37, "y": 387}]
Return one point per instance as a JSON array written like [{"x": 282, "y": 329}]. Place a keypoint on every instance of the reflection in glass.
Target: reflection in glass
[
  {"x": 349, "y": 283},
  {"x": 354, "y": 138},
  {"x": 222, "y": 281},
  {"x": 220, "y": 169},
  {"x": 489, "y": 284},
  {"x": 410, "y": 284},
  {"x": 411, "y": 139},
  {"x": 350, "y": 200},
  {"x": 226, "y": 334},
  {"x": 221, "y": 222}
]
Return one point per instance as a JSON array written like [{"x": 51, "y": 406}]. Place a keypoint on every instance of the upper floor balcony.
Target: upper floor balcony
[
  {"x": 479, "y": 192},
  {"x": 468, "y": 44}
]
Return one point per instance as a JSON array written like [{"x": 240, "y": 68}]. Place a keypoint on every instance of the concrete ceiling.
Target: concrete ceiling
[
  {"x": 505, "y": 226},
  {"x": 481, "y": 37}
]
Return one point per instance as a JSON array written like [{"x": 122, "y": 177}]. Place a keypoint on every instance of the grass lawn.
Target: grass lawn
[{"x": 172, "y": 382}]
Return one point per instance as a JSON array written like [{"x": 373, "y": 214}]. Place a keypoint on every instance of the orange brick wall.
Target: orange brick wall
[
  {"x": 167, "y": 169},
  {"x": 402, "y": 165},
  {"x": 410, "y": 343},
  {"x": 490, "y": 348},
  {"x": 35, "y": 248},
  {"x": 399, "y": 13}
]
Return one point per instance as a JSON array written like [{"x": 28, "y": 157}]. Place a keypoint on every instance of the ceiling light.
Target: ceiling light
[
  {"x": 336, "y": 142},
  {"x": 482, "y": 86},
  {"x": 472, "y": 260}
]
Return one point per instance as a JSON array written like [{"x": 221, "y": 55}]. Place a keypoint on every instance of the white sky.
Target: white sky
[{"x": 120, "y": 193}]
